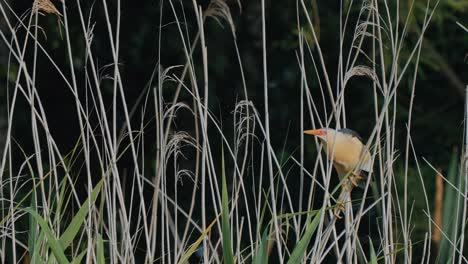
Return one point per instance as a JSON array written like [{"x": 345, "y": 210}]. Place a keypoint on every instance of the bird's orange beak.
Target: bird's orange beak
[{"x": 316, "y": 132}]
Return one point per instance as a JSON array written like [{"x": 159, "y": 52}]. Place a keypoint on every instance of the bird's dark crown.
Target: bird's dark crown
[{"x": 350, "y": 132}]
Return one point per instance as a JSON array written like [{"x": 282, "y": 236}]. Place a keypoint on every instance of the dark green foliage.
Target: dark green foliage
[{"x": 452, "y": 211}]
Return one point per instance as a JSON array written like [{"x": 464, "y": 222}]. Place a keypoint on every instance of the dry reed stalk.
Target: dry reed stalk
[{"x": 47, "y": 7}]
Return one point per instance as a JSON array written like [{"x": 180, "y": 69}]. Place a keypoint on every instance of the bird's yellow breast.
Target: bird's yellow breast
[{"x": 345, "y": 153}]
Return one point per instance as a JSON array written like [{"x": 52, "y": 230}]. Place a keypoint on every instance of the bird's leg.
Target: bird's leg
[
  {"x": 339, "y": 208},
  {"x": 342, "y": 199},
  {"x": 347, "y": 187},
  {"x": 354, "y": 177}
]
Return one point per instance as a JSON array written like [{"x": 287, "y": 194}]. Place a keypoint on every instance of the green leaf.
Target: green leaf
[
  {"x": 78, "y": 259},
  {"x": 52, "y": 242},
  {"x": 75, "y": 225},
  {"x": 100, "y": 250},
  {"x": 301, "y": 247},
  {"x": 262, "y": 255},
  {"x": 225, "y": 224},
  {"x": 197, "y": 243},
  {"x": 36, "y": 256},
  {"x": 449, "y": 211},
  {"x": 373, "y": 257},
  {"x": 32, "y": 233}
]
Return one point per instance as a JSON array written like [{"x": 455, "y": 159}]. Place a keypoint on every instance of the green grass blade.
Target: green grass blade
[
  {"x": 36, "y": 255},
  {"x": 449, "y": 212},
  {"x": 75, "y": 225},
  {"x": 197, "y": 243},
  {"x": 32, "y": 233},
  {"x": 301, "y": 247},
  {"x": 373, "y": 257},
  {"x": 225, "y": 224},
  {"x": 52, "y": 242},
  {"x": 262, "y": 255},
  {"x": 78, "y": 259},
  {"x": 100, "y": 250}
]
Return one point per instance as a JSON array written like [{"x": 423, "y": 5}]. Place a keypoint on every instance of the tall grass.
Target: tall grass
[{"x": 242, "y": 207}]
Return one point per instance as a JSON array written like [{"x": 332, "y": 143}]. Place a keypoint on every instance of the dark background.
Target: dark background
[{"x": 438, "y": 107}]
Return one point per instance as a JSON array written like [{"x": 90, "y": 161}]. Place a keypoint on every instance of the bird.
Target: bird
[{"x": 351, "y": 159}]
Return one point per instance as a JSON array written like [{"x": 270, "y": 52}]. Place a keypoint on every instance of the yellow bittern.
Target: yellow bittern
[{"x": 350, "y": 158}]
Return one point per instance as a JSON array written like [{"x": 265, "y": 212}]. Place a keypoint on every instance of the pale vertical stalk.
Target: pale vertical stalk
[
  {"x": 160, "y": 142},
  {"x": 104, "y": 125},
  {"x": 31, "y": 91},
  {"x": 406, "y": 232},
  {"x": 247, "y": 141},
  {"x": 22, "y": 69},
  {"x": 166, "y": 253},
  {"x": 235, "y": 222},
  {"x": 301, "y": 179},
  {"x": 386, "y": 218},
  {"x": 322, "y": 64},
  {"x": 267, "y": 138},
  {"x": 86, "y": 151},
  {"x": 7, "y": 151},
  {"x": 464, "y": 175},
  {"x": 393, "y": 84},
  {"x": 260, "y": 195},
  {"x": 138, "y": 174},
  {"x": 11, "y": 209},
  {"x": 341, "y": 86},
  {"x": 158, "y": 107},
  {"x": 204, "y": 125},
  {"x": 165, "y": 135},
  {"x": 339, "y": 80}
]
